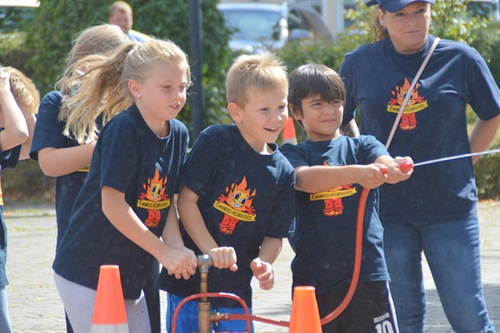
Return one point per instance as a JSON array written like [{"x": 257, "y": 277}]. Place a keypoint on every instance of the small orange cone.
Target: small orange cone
[
  {"x": 305, "y": 313},
  {"x": 288, "y": 135},
  {"x": 109, "y": 309}
]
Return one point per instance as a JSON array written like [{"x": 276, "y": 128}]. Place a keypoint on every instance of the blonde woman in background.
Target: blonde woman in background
[
  {"x": 61, "y": 156},
  {"x": 19, "y": 101}
]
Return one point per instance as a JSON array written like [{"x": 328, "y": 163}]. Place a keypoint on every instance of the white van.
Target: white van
[{"x": 268, "y": 24}]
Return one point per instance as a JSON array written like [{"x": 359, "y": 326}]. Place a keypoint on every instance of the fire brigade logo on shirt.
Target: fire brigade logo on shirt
[
  {"x": 416, "y": 103},
  {"x": 333, "y": 198},
  {"x": 154, "y": 199},
  {"x": 236, "y": 205}
]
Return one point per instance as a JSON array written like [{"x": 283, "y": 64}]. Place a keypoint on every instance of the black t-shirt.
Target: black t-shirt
[
  {"x": 130, "y": 158},
  {"x": 243, "y": 197},
  {"x": 49, "y": 133},
  {"x": 324, "y": 234}
]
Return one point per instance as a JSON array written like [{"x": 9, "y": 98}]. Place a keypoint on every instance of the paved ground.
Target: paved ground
[{"x": 35, "y": 306}]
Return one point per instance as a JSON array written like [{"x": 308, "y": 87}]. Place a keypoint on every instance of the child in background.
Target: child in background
[
  {"x": 19, "y": 101},
  {"x": 124, "y": 205},
  {"x": 58, "y": 155},
  {"x": 237, "y": 196},
  {"x": 62, "y": 156},
  {"x": 331, "y": 170}
]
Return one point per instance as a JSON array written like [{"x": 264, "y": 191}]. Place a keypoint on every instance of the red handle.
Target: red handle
[{"x": 405, "y": 166}]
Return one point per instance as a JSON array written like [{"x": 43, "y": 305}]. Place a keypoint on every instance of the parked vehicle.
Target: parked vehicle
[
  {"x": 488, "y": 9},
  {"x": 269, "y": 25}
]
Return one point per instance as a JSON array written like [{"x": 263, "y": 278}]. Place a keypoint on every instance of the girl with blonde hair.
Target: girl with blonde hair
[
  {"x": 60, "y": 156},
  {"x": 19, "y": 100},
  {"x": 124, "y": 207}
]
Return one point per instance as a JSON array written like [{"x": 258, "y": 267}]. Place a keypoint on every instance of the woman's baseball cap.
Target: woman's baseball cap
[{"x": 395, "y": 5}]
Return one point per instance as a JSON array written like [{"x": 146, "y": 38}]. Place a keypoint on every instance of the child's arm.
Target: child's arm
[
  {"x": 222, "y": 257},
  {"x": 15, "y": 127},
  {"x": 56, "y": 162},
  {"x": 319, "y": 178},
  {"x": 31, "y": 122},
  {"x": 262, "y": 265},
  {"x": 171, "y": 235},
  {"x": 121, "y": 215}
]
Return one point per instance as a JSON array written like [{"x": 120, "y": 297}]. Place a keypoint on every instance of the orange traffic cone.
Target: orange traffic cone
[
  {"x": 109, "y": 309},
  {"x": 288, "y": 135},
  {"x": 305, "y": 313}
]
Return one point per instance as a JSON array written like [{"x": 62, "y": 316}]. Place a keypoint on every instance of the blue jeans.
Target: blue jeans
[
  {"x": 452, "y": 252},
  {"x": 4, "y": 312},
  {"x": 187, "y": 319}
]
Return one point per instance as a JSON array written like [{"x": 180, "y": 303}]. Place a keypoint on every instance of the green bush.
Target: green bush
[
  {"x": 488, "y": 177},
  {"x": 27, "y": 183},
  {"x": 13, "y": 51},
  {"x": 162, "y": 19},
  {"x": 487, "y": 42}
]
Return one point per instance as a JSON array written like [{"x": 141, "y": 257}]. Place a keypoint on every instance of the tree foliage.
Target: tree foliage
[
  {"x": 450, "y": 20},
  {"x": 58, "y": 21}
]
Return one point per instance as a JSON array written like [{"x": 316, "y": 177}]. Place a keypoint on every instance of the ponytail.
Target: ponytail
[
  {"x": 102, "y": 92},
  {"x": 99, "y": 94}
]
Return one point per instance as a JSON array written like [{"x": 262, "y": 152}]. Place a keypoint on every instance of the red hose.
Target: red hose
[
  {"x": 357, "y": 260},
  {"x": 334, "y": 314}
]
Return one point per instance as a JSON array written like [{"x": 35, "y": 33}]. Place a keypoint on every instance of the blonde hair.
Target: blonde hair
[
  {"x": 104, "y": 87},
  {"x": 100, "y": 39},
  {"x": 24, "y": 91},
  {"x": 262, "y": 71}
]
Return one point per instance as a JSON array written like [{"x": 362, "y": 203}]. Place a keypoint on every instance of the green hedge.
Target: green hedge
[
  {"x": 13, "y": 52},
  {"x": 27, "y": 183},
  {"x": 488, "y": 176}
]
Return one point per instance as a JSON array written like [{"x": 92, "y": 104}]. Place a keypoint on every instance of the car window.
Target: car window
[
  {"x": 295, "y": 20},
  {"x": 254, "y": 24}
]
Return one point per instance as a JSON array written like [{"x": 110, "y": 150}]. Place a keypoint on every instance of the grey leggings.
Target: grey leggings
[{"x": 79, "y": 305}]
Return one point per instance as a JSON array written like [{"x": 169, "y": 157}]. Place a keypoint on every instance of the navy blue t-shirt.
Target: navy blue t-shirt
[
  {"x": 49, "y": 133},
  {"x": 323, "y": 235},
  {"x": 130, "y": 158},
  {"x": 433, "y": 125},
  {"x": 243, "y": 197}
]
